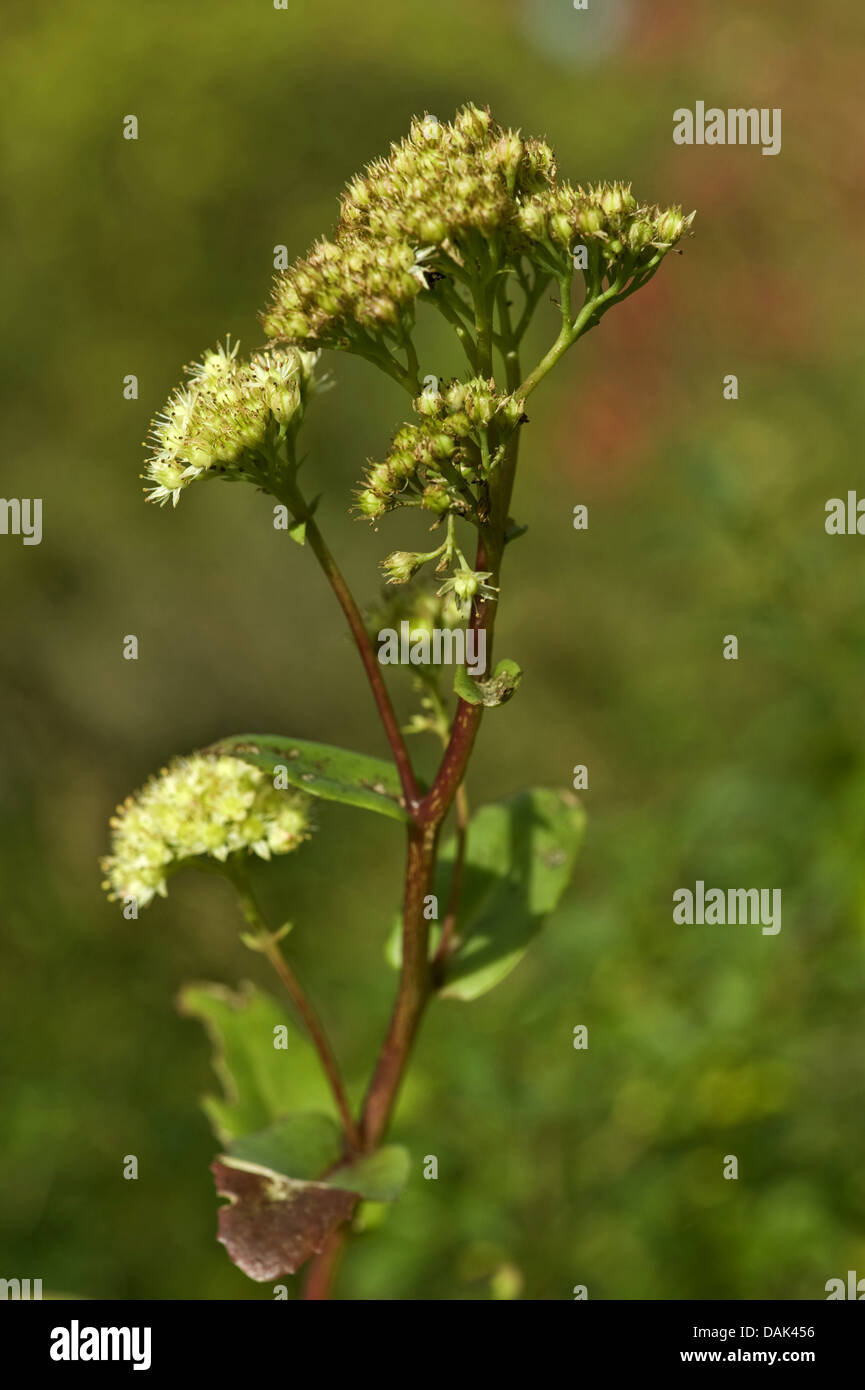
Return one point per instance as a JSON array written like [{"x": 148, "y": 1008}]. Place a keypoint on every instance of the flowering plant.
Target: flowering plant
[{"x": 470, "y": 221}]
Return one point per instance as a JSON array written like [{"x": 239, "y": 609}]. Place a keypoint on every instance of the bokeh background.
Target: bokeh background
[{"x": 706, "y": 518}]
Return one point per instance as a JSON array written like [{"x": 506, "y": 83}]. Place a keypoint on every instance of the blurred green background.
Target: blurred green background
[{"x": 706, "y": 518}]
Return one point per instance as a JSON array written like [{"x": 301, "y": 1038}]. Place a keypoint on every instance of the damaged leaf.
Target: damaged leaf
[{"x": 272, "y": 1224}]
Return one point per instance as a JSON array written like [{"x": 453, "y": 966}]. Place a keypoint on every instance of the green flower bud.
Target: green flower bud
[
  {"x": 670, "y": 225},
  {"x": 615, "y": 199},
  {"x": 640, "y": 234},
  {"x": 472, "y": 122},
  {"x": 508, "y": 151},
  {"x": 401, "y": 565},
  {"x": 381, "y": 479},
  {"x": 443, "y": 445},
  {"x": 590, "y": 220},
  {"x": 402, "y": 463},
  {"x": 458, "y": 425},
  {"x": 436, "y": 498},
  {"x": 513, "y": 410},
  {"x": 533, "y": 220},
  {"x": 369, "y": 504},
  {"x": 428, "y": 403},
  {"x": 480, "y": 408},
  {"x": 561, "y": 228}
]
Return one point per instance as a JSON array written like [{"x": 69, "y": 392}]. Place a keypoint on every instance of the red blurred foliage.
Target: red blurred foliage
[{"x": 628, "y": 389}]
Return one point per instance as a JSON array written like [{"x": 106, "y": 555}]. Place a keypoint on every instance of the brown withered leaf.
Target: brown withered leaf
[{"x": 273, "y": 1224}]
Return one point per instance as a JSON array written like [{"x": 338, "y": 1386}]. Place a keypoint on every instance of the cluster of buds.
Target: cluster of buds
[
  {"x": 434, "y": 207},
  {"x": 199, "y": 806},
  {"x": 343, "y": 286},
  {"x": 445, "y": 182},
  {"x": 216, "y": 424},
  {"x": 441, "y": 193},
  {"x": 606, "y": 218},
  {"x": 436, "y": 464}
]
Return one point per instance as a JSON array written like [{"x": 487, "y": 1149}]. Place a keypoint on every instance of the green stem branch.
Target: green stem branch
[
  {"x": 300, "y": 510},
  {"x": 266, "y": 942}
]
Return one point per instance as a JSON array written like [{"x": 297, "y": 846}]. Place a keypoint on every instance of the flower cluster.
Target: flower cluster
[
  {"x": 606, "y": 218},
  {"x": 425, "y": 209},
  {"x": 199, "y": 806},
  {"x": 464, "y": 199},
  {"x": 215, "y": 425},
  {"x": 437, "y": 463}
]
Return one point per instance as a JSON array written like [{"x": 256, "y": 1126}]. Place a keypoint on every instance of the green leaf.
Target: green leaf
[
  {"x": 307, "y": 1147},
  {"x": 519, "y": 858},
  {"x": 299, "y": 1146},
  {"x": 260, "y": 1082},
  {"x": 500, "y": 687},
  {"x": 380, "y": 1178},
  {"x": 334, "y": 774},
  {"x": 285, "y": 1175}
]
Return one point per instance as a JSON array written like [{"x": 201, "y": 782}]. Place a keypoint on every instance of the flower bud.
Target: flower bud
[
  {"x": 533, "y": 219},
  {"x": 401, "y": 565},
  {"x": 513, "y": 410},
  {"x": 436, "y": 498},
  {"x": 561, "y": 228},
  {"x": 472, "y": 122},
  {"x": 380, "y": 479},
  {"x": 284, "y": 401},
  {"x": 443, "y": 445},
  {"x": 508, "y": 151},
  {"x": 669, "y": 226},
  {"x": 590, "y": 220},
  {"x": 615, "y": 199},
  {"x": 402, "y": 463},
  {"x": 640, "y": 234},
  {"x": 370, "y": 504},
  {"x": 458, "y": 425},
  {"x": 429, "y": 402}
]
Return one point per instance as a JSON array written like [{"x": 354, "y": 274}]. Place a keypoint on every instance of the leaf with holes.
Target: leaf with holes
[{"x": 334, "y": 774}]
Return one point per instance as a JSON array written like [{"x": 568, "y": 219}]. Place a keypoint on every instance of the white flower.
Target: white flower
[{"x": 199, "y": 805}]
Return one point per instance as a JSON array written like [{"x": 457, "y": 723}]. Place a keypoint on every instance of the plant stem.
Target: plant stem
[
  {"x": 266, "y": 942},
  {"x": 414, "y": 987},
  {"x": 323, "y": 1267},
  {"x": 416, "y": 980},
  {"x": 345, "y": 598}
]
